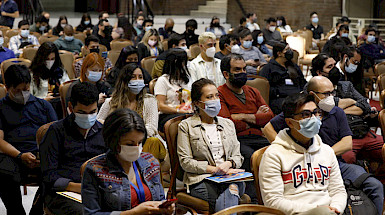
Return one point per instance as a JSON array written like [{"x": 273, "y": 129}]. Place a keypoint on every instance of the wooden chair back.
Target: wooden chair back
[
  {"x": 250, "y": 208},
  {"x": 29, "y": 53},
  {"x": 297, "y": 43},
  {"x": 4, "y": 29},
  {"x": 63, "y": 90},
  {"x": 67, "y": 59},
  {"x": 6, "y": 42},
  {"x": 11, "y": 32},
  {"x": 81, "y": 37},
  {"x": 83, "y": 166},
  {"x": 37, "y": 35},
  {"x": 381, "y": 119},
  {"x": 119, "y": 44},
  {"x": 3, "y": 91},
  {"x": 151, "y": 86},
  {"x": 381, "y": 82},
  {"x": 262, "y": 85},
  {"x": 147, "y": 63},
  {"x": 195, "y": 50},
  {"x": 42, "y": 131},
  {"x": 379, "y": 69},
  {"x": 7, "y": 63},
  {"x": 308, "y": 40},
  {"x": 382, "y": 99},
  {"x": 48, "y": 38},
  {"x": 255, "y": 162},
  {"x": 113, "y": 56}
]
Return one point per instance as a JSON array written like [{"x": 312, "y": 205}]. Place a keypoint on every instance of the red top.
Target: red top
[
  {"x": 134, "y": 195},
  {"x": 232, "y": 105}
]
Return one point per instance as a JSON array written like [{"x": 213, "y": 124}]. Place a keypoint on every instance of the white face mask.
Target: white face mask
[
  {"x": 63, "y": 25},
  {"x": 327, "y": 104},
  {"x": 272, "y": 28},
  {"x": 49, "y": 63},
  {"x": 152, "y": 42},
  {"x": 235, "y": 49},
  {"x": 1, "y": 41},
  {"x": 210, "y": 52},
  {"x": 130, "y": 153}
]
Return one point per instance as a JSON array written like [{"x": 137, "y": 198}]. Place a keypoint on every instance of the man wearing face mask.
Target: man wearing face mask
[
  {"x": 91, "y": 45},
  {"x": 18, "y": 42},
  {"x": 205, "y": 65},
  {"x": 41, "y": 26},
  {"x": 252, "y": 55},
  {"x": 5, "y": 53},
  {"x": 227, "y": 44},
  {"x": 252, "y": 22},
  {"x": 284, "y": 76},
  {"x": 21, "y": 115},
  {"x": 335, "y": 132},
  {"x": 351, "y": 59},
  {"x": 68, "y": 42},
  {"x": 371, "y": 50},
  {"x": 318, "y": 31},
  {"x": 147, "y": 25},
  {"x": 67, "y": 144},
  {"x": 104, "y": 33},
  {"x": 270, "y": 33},
  {"x": 167, "y": 30},
  {"x": 190, "y": 36}
]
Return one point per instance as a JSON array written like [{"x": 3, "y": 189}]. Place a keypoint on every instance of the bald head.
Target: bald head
[
  {"x": 319, "y": 84},
  {"x": 169, "y": 24}
]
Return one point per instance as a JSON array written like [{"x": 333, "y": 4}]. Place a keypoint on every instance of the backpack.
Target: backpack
[
  {"x": 358, "y": 202},
  {"x": 358, "y": 126}
]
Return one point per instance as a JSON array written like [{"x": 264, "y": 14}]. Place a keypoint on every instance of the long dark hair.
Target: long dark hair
[
  {"x": 283, "y": 20},
  {"x": 175, "y": 66},
  {"x": 58, "y": 26},
  {"x": 126, "y": 51},
  {"x": 38, "y": 66},
  {"x": 212, "y": 23},
  {"x": 85, "y": 15},
  {"x": 129, "y": 31}
]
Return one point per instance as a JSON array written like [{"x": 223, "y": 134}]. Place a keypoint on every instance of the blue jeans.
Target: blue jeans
[
  {"x": 219, "y": 196},
  {"x": 371, "y": 186}
]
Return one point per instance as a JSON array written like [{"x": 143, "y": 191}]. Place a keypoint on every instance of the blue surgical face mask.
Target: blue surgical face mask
[
  {"x": 85, "y": 121},
  {"x": 94, "y": 76},
  {"x": 42, "y": 28},
  {"x": 69, "y": 38},
  {"x": 136, "y": 86},
  {"x": 260, "y": 39},
  {"x": 247, "y": 44},
  {"x": 371, "y": 39},
  {"x": 1, "y": 41},
  {"x": 212, "y": 107},
  {"x": 351, "y": 68},
  {"x": 345, "y": 35},
  {"x": 148, "y": 28},
  {"x": 310, "y": 126},
  {"x": 24, "y": 33},
  {"x": 86, "y": 22},
  {"x": 315, "y": 20}
]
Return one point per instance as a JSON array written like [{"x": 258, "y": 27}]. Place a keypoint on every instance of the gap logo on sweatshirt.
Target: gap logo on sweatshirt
[{"x": 298, "y": 175}]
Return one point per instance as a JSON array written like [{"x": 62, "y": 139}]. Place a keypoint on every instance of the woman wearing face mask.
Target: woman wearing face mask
[
  {"x": 208, "y": 145},
  {"x": 58, "y": 30},
  {"x": 130, "y": 92},
  {"x": 251, "y": 54},
  {"x": 341, "y": 35},
  {"x": 284, "y": 76},
  {"x": 138, "y": 25},
  {"x": 259, "y": 42},
  {"x": 124, "y": 180},
  {"x": 283, "y": 27},
  {"x": 215, "y": 27},
  {"x": 172, "y": 89},
  {"x": 150, "y": 45},
  {"x": 85, "y": 23}
]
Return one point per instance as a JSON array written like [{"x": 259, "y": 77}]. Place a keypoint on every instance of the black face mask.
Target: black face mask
[
  {"x": 238, "y": 80},
  {"x": 334, "y": 75},
  {"x": 216, "y": 24},
  {"x": 289, "y": 54},
  {"x": 169, "y": 29},
  {"x": 97, "y": 50},
  {"x": 107, "y": 30},
  {"x": 190, "y": 31}
]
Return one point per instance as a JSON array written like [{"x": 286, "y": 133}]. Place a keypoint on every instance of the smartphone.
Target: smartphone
[
  {"x": 167, "y": 203},
  {"x": 256, "y": 60},
  {"x": 104, "y": 55}
]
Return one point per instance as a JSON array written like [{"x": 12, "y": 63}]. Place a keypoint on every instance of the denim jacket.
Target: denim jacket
[{"x": 106, "y": 187}]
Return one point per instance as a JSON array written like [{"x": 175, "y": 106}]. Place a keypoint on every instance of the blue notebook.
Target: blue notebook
[{"x": 242, "y": 176}]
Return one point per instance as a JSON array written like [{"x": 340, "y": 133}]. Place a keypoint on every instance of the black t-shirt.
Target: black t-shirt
[{"x": 316, "y": 31}]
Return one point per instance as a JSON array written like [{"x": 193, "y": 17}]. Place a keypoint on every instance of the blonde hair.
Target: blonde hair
[
  {"x": 148, "y": 34},
  {"x": 205, "y": 36}
]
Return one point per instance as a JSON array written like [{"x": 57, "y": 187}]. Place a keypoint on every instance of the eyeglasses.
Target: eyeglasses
[
  {"x": 332, "y": 93},
  {"x": 307, "y": 113}
]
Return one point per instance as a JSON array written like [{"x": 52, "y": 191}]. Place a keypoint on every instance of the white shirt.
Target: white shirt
[
  {"x": 286, "y": 29},
  {"x": 178, "y": 95},
  {"x": 215, "y": 143},
  {"x": 338, "y": 66},
  {"x": 200, "y": 68},
  {"x": 253, "y": 26},
  {"x": 42, "y": 92}
]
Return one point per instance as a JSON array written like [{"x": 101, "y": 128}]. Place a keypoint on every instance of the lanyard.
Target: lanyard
[
  {"x": 139, "y": 190},
  {"x": 155, "y": 51}
]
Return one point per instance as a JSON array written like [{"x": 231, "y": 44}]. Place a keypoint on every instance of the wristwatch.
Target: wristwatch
[{"x": 19, "y": 155}]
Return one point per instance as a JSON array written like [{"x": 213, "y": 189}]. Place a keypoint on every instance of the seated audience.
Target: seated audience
[
  {"x": 67, "y": 41},
  {"x": 167, "y": 30},
  {"x": 21, "y": 115},
  {"x": 102, "y": 16},
  {"x": 189, "y": 35},
  {"x": 333, "y": 31},
  {"x": 104, "y": 33},
  {"x": 318, "y": 30},
  {"x": 216, "y": 28},
  {"x": 318, "y": 192},
  {"x": 371, "y": 50},
  {"x": 244, "y": 105},
  {"x": 148, "y": 24},
  {"x": 150, "y": 45},
  {"x": 67, "y": 144},
  {"x": 172, "y": 89},
  {"x": 91, "y": 45},
  {"x": 217, "y": 152},
  {"x": 138, "y": 25},
  {"x": 226, "y": 44},
  {"x": 58, "y": 30},
  {"x": 9, "y": 11},
  {"x": 85, "y": 24},
  {"x": 260, "y": 43},
  {"x": 174, "y": 41},
  {"x": 335, "y": 132},
  {"x": 284, "y": 76},
  {"x": 137, "y": 188},
  {"x": 252, "y": 55},
  {"x": 251, "y": 23},
  {"x": 5, "y": 52},
  {"x": 41, "y": 25},
  {"x": 342, "y": 34},
  {"x": 283, "y": 27},
  {"x": 346, "y": 21},
  {"x": 205, "y": 65},
  {"x": 270, "y": 33},
  {"x": 23, "y": 39}
]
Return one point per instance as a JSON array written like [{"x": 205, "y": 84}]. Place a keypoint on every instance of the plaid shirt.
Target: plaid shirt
[{"x": 15, "y": 42}]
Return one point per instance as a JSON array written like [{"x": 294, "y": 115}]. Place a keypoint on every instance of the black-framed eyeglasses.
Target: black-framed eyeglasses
[
  {"x": 330, "y": 93},
  {"x": 307, "y": 113}
]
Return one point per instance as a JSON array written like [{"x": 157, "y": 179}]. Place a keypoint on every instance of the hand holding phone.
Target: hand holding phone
[{"x": 167, "y": 203}]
